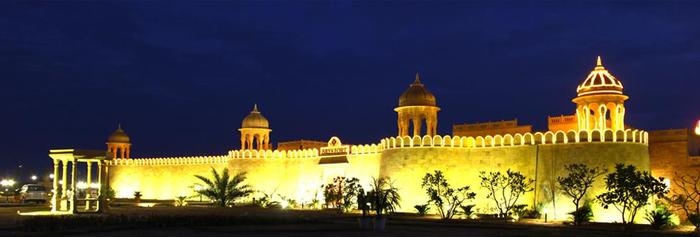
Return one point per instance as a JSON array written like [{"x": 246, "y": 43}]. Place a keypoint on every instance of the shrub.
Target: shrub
[
  {"x": 660, "y": 217},
  {"x": 468, "y": 211},
  {"x": 224, "y": 189},
  {"x": 577, "y": 182},
  {"x": 505, "y": 189},
  {"x": 694, "y": 218},
  {"x": 422, "y": 209},
  {"x": 384, "y": 196},
  {"x": 180, "y": 201},
  {"x": 629, "y": 189},
  {"x": 137, "y": 196},
  {"x": 583, "y": 214},
  {"x": 445, "y": 198}
]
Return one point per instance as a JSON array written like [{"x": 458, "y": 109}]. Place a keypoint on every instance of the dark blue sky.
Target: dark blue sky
[{"x": 181, "y": 76}]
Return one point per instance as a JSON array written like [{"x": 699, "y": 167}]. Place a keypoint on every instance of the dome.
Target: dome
[
  {"x": 118, "y": 136},
  {"x": 255, "y": 120},
  {"x": 417, "y": 95},
  {"x": 599, "y": 81}
]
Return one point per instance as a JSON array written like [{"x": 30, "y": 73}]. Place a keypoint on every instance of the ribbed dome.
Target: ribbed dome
[
  {"x": 255, "y": 120},
  {"x": 599, "y": 81},
  {"x": 118, "y": 136},
  {"x": 417, "y": 94}
]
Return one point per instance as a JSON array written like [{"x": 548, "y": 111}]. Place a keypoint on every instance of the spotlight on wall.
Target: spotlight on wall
[{"x": 697, "y": 129}]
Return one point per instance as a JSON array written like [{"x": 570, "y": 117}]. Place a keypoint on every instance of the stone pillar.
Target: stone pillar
[
  {"x": 54, "y": 198},
  {"x": 416, "y": 125},
  {"x": 72, "y": 186},
  {"x": 258, "y": 140},
  {"x": 243, "y": 135},
  {"x": 89, "y": 183},
  {"x": 64, "y": 179},
  {"x": 100, "y": 198}
]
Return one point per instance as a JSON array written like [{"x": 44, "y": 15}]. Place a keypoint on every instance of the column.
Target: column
[
  {"x": 55, "y": 186},
  {"x": 586, "y": 118},
  {"x": 64, "y": 179},
  {"x": 243, "y": 135},
  {"x": 100, "y": 198},
  {"x": 258, "y": 140},
  {"x": 613, "y": 118},
  {"x": 416, "y": 125},
  {"x": 249, "y": 140},
  {"x": 89, "y": 183},
  {"x": 72, "y": 186},
  {"x": 123, "y": 151}
]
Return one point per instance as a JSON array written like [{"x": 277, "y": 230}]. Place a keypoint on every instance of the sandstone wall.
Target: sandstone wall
[{"x": 407, "y": 166}]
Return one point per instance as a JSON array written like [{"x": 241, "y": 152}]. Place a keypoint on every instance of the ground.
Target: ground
[{"x": 323, "y": 223}]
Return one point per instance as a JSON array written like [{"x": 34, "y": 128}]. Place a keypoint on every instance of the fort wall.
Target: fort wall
[{"x": 299, "y": 174}]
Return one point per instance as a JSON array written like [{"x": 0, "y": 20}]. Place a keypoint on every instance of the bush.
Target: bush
[
  {"x": 583, "y": 214},
  {"x": 531, "y": 213},
  {"x": 180, "y": 201},
  {"x": 694, "y": 218},
  {"x": 468, "y": 211},
  {"x": 660, "y": 218},
  {"x": 422, "y": 209}
]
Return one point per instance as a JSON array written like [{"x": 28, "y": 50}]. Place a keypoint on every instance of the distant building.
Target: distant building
[
  {"x": 490, "y": 128},
  {"x": 300, "y": 145}
]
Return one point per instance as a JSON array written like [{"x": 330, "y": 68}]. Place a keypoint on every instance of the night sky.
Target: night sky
[{"x": 180, "y": 77}]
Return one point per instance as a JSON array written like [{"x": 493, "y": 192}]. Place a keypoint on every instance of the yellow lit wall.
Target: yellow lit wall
[
  {"x": 300, "y": 178},
  {"x": 406, "y": 166}
]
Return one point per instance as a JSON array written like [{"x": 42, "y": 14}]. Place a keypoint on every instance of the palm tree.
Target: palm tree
[
  {"x": 223, "y": 189},
  {"x": 384, "y": 196}
]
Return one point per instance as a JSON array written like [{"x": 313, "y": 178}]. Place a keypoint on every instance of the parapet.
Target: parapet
[{"x": 538, "y": 138}]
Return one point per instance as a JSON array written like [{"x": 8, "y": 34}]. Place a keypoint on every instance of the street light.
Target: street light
[
  {"x": 34, "y": 177},
  {"x": 51, "y": 176},
  {"x": 7, "y": 182}
]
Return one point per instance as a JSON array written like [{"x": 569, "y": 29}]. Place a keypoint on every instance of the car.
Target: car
[{"x": 34, "y": 193}]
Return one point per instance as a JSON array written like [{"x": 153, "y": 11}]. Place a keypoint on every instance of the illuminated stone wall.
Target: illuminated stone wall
[
  {"x": 407, "y": 166},
  {"x": 296, "y": 178},
  {"x": 297, "y": 174}
]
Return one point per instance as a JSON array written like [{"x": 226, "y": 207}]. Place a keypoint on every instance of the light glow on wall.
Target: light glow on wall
[{"x": 697, "y": 129}]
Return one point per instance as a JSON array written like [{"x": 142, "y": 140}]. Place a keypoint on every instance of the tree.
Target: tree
[
  {"x": 332, "y": 193},
  {"x": 384, "y": 197},
  {"x": 577, "y": 183},
  {"x": 443, "y": 196},
  {"x": 686, "y": 197},
  {"x": 350, "y": 191},
  {"x": 341, "y": 192},
  {"x": 628, "y": 190},
  {"x": 505, "y": 190},
  {"x": 223, "y": 189}
]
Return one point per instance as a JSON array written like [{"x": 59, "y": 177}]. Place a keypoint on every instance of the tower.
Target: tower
[
  {"x": 255, "y": 131},
  {"x": 118, "y": 144},
  {"x": 600, "y": 101},
  {"x": 416, "y": 105}
]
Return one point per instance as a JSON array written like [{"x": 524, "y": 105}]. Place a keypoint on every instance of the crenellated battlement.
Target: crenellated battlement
[
  {"x": 277, "y": 154},
  {"x": 186, "y": 160},
  {"x": 537, "y": 138}
]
